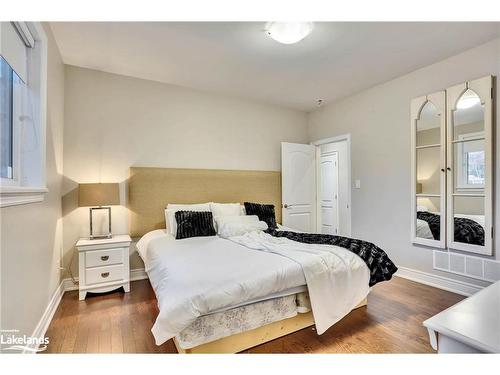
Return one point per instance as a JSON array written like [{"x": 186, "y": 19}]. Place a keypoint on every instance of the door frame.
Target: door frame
[{"x": 340, "y": 138}]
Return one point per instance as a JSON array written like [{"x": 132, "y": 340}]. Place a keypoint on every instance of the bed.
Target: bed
[
  {"x": 467, "y": 228},
  {"x": 227, "y": 294}
]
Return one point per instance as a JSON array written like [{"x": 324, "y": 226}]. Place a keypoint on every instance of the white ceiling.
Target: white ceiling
[{"x": 237, "y": 58}]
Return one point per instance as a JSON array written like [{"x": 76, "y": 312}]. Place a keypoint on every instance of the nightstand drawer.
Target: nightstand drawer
[
  {"x": 103, "y": 257},
  {"x": 104, "y": 274}
]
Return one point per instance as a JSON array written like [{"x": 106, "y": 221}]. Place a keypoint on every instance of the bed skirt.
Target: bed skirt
[{"x": 215, "y": 326}]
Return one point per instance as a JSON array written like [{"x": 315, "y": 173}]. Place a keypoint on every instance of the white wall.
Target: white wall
[
  {"x": 378, "y": 120},
  {"x": 113, "y": 122},
  {"x": 31, "y": 235}
]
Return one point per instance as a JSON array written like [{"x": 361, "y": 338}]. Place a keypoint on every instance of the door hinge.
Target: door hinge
[
  {"x": 492, "y": 92},
  {"x": 492, "y": 232}
]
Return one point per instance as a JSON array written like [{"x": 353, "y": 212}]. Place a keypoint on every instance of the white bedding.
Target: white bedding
[
  {"x": 197, "y": 276},
  {"x": 337, "y": 279}
]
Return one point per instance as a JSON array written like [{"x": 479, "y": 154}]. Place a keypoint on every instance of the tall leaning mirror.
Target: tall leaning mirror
[
  {"x": 469, "y": 166},
  {"x": 428, "y": 169}
]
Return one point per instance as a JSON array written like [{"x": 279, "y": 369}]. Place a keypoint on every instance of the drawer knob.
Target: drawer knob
[
  {"x": 105, "y": 258},
  {"x": 105, "y": 274}
]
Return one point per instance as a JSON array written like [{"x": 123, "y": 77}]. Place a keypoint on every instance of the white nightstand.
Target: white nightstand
[{"x": 103, "y": 264}]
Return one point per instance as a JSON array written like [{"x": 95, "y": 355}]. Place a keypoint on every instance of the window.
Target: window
[
  {"x": 23, "y": 82},
  {"x": 475, "y": 168},
  {"x": 470, "y": 161},
  {"x": 11, "y": 87},
  {"x": 6, "y": 134}
]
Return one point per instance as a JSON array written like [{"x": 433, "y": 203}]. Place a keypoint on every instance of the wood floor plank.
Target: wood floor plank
[{"x": 121, "y": 323}]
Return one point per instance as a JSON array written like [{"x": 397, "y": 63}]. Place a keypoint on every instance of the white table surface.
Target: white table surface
[
  {"x": 474, "y": 321},
  {"x": 117, "y": 238}
]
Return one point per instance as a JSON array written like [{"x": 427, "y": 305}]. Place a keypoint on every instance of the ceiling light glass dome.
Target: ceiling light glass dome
[{"x": 289, "y": 32}]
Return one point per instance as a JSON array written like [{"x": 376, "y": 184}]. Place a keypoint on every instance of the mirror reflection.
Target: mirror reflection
[
  {"x": 428, "y": 160},
  {"x": 428, "y": 218},
  {"x": 469, "y": 169},
  {"x": 428, "y": 126}
]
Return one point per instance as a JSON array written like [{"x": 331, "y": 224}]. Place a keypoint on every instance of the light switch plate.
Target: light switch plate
[{"x": 357, "y": 184}]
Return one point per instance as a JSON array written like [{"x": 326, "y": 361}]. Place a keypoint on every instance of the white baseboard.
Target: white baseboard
[
  {"x": 65, "y": 286},
  {"x": 43, "y": 324},
  {"x": 445, "y": 283},
  {"x": 138, "y": 274}
]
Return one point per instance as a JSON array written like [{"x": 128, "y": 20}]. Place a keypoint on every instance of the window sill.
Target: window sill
[{"x": 17, "y": 195}]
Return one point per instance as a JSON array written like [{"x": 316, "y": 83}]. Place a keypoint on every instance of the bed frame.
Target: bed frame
[{"x": 248, "y": 339}]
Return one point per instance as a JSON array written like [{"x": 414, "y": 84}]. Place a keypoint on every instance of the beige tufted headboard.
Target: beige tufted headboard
[{"x": 151, "y": 189}]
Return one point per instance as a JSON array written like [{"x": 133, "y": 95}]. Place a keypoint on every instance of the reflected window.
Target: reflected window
[{"x": 471, "y": 161}]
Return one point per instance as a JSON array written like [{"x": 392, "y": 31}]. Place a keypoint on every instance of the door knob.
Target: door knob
[{"x": 285, "y": 206}]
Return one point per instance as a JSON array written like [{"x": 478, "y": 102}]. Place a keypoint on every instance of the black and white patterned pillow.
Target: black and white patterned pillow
[
  {"x": 194, "y": 224},
  {"x": 265, "y": 212}
]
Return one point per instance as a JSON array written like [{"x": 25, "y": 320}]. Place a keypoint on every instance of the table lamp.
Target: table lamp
[{"x": 99, "y": 197}]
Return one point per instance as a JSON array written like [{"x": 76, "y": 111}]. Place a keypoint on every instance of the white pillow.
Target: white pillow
[
  {"x": 225, "y": 209},
  {"x": 242, "y": 219},
  {"x": 173, "y": 208},
  {"x": 422, "y": 208},
  {"x": 238, "y": 228}
]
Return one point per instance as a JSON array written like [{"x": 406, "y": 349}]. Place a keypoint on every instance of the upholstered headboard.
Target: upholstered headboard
[{"x": 151, "y": 189}]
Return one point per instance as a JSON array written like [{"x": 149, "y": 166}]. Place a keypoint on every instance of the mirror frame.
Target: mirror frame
[
  {"x": 438, "y": 99},
  {"x": 483, "y": 87}
]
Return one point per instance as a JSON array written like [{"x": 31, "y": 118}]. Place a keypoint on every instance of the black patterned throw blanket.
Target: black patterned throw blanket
[
  {"x": 465, "y": 230},
  {"x": 381, "y": 267}
]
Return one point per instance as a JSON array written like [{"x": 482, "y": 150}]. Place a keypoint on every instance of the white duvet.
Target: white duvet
[{"x": 197, "y": 276}]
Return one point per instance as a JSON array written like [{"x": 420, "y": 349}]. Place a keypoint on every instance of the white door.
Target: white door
[
  {"x": 328, "y": 193},
  {"x": 298, "y": 186}
]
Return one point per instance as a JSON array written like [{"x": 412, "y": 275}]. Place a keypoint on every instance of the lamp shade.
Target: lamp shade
[{"x": 98, "y": 195}]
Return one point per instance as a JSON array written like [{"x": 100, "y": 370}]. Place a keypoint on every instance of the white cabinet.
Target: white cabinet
[
  {"x": 470, "y": 326},
  {"x": 103, "y": 265},
  {"x": 452, "y": 168}
]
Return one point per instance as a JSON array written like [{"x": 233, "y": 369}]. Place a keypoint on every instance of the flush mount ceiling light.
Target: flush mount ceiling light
[
  {"x": 289, "y": 32},
  {"x": 468, "y": 99}
]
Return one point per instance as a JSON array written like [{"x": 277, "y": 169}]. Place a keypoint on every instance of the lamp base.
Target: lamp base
[
  {"x": 103, "y": 237},
  {"x": 100, "y": 236}
]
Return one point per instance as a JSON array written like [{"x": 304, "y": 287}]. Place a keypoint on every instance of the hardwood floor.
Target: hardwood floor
[{"x": 121, "y": 323}]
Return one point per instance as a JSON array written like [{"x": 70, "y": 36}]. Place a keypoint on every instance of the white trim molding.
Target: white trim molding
[
  {"x": 16, "y": 195},
  {"x": 440, "y": 282},
  {"x": 66, "y": 285},
  {"x": 43, "y": 324}
]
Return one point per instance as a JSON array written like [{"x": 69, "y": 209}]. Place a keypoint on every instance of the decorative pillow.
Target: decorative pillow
[
  {"x": 242, "y": 219},
  {"x": 422, "y": 208},
  {"x": 265, "y": 212},
  {"x": 194, "y": 224},
  {"x": 225, "y": 209},
  {"x": 238, "y": 228},
  {"x": 173, "y": 208}
]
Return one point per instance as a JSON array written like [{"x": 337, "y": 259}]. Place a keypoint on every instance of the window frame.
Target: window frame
[{"x": 21, "y": 189}]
